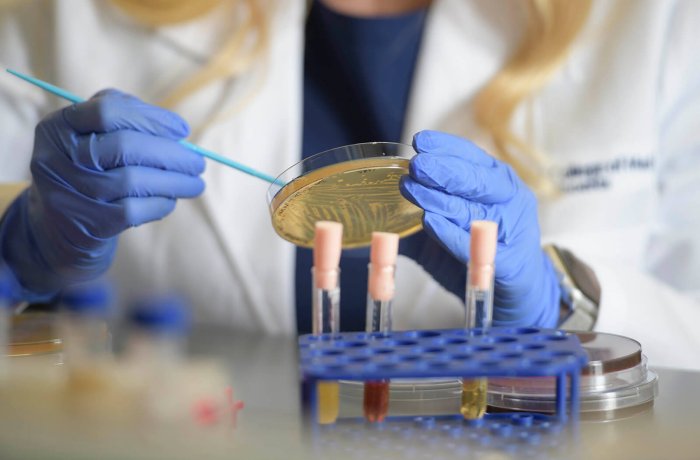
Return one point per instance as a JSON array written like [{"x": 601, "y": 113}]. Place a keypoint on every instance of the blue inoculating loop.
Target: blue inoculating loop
[
  {"x": 448, "y": 436},
  {"x": 498, "y": 352}
]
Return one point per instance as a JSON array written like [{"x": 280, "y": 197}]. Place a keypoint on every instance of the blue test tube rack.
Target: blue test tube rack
[{"x": 469, "y": 353}]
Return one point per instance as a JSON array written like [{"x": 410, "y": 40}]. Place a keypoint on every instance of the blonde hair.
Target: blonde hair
[
  {"x": 552, "y": 27},
  {"x": 240, "y": 50}
]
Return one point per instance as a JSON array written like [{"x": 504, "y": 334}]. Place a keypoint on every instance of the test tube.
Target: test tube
[
  {"x": 154, "y": 352},
  {"x": 380, "y": 293},
  {"x": 158, "y": 327},
  {"x": 479, "y": 306},
  {"x": 85, "y": 335},
  {"x": 328, "y": 238}
]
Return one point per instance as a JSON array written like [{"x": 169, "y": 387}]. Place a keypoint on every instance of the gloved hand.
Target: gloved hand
[
  {"x": 98, "y": 168},
  {"x": 456, "y": 182}
]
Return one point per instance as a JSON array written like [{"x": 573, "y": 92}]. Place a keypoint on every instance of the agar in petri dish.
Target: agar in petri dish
[
  {"x": 614, "y": 384},
  {"x": 356, "y": 185},
  {"x": 34, "y": 334}
]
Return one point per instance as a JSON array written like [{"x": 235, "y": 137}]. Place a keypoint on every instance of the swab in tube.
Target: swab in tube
[
  {"x": 380, "y": 293},
  {"x": 325, "y": 273},
  {"x": 479, "y": 306}
]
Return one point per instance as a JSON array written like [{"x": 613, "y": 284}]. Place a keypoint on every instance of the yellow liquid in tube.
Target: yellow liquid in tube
[
  {"x": 363, "y": 195},
  {"x": 328, "y": 402},
  {"x": 474, "y": 392}
]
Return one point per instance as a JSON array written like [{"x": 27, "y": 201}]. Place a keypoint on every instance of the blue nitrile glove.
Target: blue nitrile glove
[
  {"x": 98, "y": 168},
  {"x": 456, "y": 182}
]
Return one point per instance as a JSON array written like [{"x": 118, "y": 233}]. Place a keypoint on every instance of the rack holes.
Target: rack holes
[
  {"x": 331, "y": 352},
  {"x": 522, "y": 419},
  {"x": 434, "y": 350},
  {"x": 511, "y": 355},
  {"x": 456, "y": 341},
  {"x": 555, "y": 338},
  {"x": 409, "y": 358},
  {"x": 525, "y": 330},
  {"x": 462, "y": 357},
  {"x": 505, "y": 339},
  {"x": 355, "y": 344},
  {"x": 423, "y": 334},
  {"x": 399, "y": 343},
  {"x": 382, "y": 351}
]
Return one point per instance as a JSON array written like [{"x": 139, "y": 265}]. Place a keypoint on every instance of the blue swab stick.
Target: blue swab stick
[{"x": 195, "y": 148}]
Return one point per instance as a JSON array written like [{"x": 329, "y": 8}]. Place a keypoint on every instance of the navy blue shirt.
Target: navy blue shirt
[{"x": 357, "y": 78}]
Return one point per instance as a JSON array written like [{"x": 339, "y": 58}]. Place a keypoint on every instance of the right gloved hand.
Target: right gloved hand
[
  {"x": 98, "y": 168},
  {"x": 456, "y": 182}
]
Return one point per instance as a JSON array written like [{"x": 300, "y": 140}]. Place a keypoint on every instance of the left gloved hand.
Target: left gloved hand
[
  {"x": 456, "y": 182},
  {"x": 98, "y": 168}
]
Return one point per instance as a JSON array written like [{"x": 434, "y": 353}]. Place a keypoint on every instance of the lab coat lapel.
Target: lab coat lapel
[
  {"x": 264, "y": 134},
  {"x": 463, "y": 46},
  {"x": 465, "y": 39}
]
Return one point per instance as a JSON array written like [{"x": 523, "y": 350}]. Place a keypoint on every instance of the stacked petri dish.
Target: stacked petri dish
[
  {"x": 615, "y": 384},
  {"x": 407, "y": 397},
  {"x": 34, "y": 338}
]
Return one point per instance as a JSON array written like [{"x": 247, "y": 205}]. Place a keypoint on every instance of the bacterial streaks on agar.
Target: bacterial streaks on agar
[{"x": 361, "y": 194}]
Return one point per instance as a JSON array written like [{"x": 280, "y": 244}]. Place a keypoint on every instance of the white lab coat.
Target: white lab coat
[{"x": 620, "y": 121}]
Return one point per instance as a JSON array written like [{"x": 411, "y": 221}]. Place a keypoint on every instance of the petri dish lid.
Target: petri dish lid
[
  {"x": 642, "y": 394},
  {"x": 34, "y": 334},
  {"x": 609, "y": 352},
  {"x": 616, "y": 377},
  {"x": 407, "y": 397},
  {"x": 356, "y": 185}
]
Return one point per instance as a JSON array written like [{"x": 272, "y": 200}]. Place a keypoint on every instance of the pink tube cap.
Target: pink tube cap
[
  {"x": 482, "y": 252},
  {"x": 484, "y": 237},
  {"x": 384, "y": 249},
  {"x": 383, "y": 253},
  {"x": 328, "y": 239}
]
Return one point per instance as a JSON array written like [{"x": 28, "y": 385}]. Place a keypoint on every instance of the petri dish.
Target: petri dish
[
  {"x": 407, "y": 397},
  {"x": 34, "y": 337},
  {"x": 615, "y": 383},
  {"x": 356, "y": 185},
  {"x": 34, "y": 333}
]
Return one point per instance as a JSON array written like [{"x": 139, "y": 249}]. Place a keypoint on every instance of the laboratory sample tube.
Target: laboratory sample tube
[
  {"x": 85, "y": 309},
  {"x": 380, "y": 293},
  {"x": 325, "y": 275},
  {"x": 328, "y": 238},
  {"x": 479, "y": 306},
  {"x": 158, "y": 327},
  {"x": 154, "y": 352}
]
